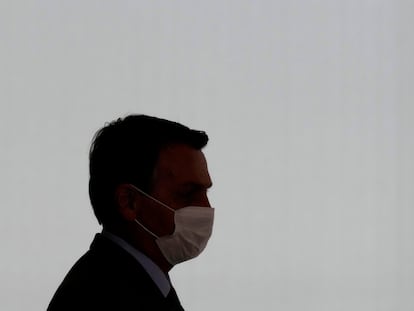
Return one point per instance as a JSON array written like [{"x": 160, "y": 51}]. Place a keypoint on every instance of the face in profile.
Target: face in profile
[{"x": 181, "y": 179}]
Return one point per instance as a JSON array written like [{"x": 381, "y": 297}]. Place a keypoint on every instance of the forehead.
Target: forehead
[{"x": 179, "y": 163}]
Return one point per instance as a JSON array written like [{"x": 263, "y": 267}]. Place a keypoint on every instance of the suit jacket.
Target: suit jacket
[{"x": 109, "y": 278}]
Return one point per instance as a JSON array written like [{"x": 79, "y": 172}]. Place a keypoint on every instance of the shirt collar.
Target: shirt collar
[{"x": 156, "y": 274}]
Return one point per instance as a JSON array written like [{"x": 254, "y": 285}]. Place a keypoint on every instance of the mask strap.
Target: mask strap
[
  {"x": 146, "y": 229},
  {"x": 152, "y": 198}
]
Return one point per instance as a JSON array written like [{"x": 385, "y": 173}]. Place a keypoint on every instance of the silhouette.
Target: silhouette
[{"x": 148, "y": 189}]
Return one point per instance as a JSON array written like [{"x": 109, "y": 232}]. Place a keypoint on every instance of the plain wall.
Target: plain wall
[{"x": 308, "y": 108}]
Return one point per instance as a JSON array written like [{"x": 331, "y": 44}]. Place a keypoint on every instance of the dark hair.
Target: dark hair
[{"x": 126, "y": 151}]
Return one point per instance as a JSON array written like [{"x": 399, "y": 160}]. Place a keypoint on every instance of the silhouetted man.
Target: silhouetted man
[{"x": 148, "y": 188}]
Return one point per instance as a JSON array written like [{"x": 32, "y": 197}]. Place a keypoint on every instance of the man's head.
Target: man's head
[{"x": 160, "y": 157}]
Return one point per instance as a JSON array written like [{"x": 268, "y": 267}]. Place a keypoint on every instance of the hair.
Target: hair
[{"x": 126, "y": 151}]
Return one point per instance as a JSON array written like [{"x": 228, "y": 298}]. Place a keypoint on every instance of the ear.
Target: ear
[{"x": 127, "y": 202}]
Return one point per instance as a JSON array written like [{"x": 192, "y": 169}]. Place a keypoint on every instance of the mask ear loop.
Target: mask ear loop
[
  {"x": 146, "y": 229},
  {"x": 154, "y": 199}
]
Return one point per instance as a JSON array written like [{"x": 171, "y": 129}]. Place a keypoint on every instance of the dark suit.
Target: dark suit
[{"x": 109, "y": 278}]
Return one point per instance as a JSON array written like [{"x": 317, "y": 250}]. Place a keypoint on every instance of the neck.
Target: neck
[{"x": 142, "y": 241}]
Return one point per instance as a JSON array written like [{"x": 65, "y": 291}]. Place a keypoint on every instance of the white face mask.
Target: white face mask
[{"x": 193, "y": 228}]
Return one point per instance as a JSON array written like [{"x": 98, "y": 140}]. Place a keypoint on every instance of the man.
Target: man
[{"x": 148, "y": 188}]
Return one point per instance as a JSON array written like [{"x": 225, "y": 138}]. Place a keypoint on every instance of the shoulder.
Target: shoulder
[{"x": 103, "y": 278}]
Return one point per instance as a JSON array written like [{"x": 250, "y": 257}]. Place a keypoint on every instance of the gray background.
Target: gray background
[{"x": 308, "y": 107}]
